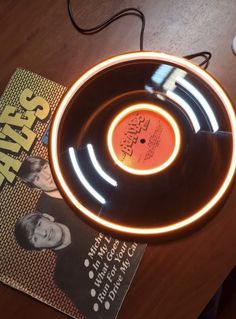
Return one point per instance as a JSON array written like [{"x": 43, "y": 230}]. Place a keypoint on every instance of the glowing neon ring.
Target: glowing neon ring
[{"x": 102, "y": 66}]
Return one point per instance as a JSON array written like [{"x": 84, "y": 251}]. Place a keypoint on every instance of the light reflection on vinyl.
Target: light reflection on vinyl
[{"x": 144, "y": 144}]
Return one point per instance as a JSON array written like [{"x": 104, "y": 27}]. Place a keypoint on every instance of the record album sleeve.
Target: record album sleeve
[{"x": 46, "y": 251}]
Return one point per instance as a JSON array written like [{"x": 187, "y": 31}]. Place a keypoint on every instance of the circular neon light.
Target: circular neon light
[
  {"x": 158, "y": 111},
  {"x": 162, "y": 57}
]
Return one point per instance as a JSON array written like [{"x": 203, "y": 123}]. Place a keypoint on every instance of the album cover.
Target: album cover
[{"x": 46, "y": 251}]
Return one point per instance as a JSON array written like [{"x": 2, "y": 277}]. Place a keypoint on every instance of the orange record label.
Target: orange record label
[{"x": 143, "y": 140}]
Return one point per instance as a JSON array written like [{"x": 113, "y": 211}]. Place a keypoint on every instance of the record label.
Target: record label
[{"x": 143, "y": 139}]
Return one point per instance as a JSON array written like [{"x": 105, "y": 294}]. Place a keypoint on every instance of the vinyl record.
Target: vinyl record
[{"x": 144, "y": 143}]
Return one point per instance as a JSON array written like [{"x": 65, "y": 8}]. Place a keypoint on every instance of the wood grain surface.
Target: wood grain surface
[{"x": 175, "y": 279}]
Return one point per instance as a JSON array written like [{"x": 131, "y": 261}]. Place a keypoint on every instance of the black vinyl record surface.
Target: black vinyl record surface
[{"x": 144, "y": 143}]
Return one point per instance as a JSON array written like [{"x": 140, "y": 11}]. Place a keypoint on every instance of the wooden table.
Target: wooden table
[{"x": 176, "y": 279}]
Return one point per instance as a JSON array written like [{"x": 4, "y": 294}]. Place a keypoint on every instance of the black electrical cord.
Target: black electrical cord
[
  {"x": 103, "y": 25},
  {"x": 135, "y": 12},
  {"x": 205, "y": 54}
]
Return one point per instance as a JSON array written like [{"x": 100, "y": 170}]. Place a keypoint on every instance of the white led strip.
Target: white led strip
[
  {"x": 98, "y": 168},
  {"x": 186, "y": 107},
  {"x": 82, "y": 178},
  {"x": 203, "y": 102}
]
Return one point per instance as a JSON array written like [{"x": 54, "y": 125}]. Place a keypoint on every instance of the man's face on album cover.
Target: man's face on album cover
[
  {"x": 47, "y": 234},
  {"x": 43, "y": 179}
]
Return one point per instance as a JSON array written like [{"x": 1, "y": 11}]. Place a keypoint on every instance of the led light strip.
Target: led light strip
[
  {"x": 203, "y": 102},
  {"x": 186, "y": 107},
  {"x": 98, "y": 168},
  {"x": 165, "y": 58},
  {"x": 82, "y": 178}
]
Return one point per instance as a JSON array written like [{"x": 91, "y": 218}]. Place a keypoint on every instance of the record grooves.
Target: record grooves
[{"x": 144, "y": 143}]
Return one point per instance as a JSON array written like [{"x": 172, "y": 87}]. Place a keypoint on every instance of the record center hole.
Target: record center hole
[{"x": 142, "y": 140}]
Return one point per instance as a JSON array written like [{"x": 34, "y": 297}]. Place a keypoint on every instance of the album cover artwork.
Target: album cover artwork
[{"x": 46, "y": 251}]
